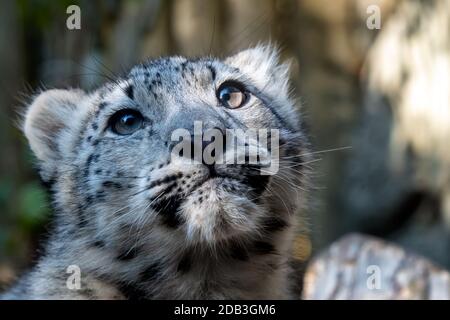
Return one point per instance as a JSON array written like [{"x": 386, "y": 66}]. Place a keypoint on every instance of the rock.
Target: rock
[{"x": 362, "y": 267}]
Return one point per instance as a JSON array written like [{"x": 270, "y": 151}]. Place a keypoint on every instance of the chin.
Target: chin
[{"x": 220, "y": 210}]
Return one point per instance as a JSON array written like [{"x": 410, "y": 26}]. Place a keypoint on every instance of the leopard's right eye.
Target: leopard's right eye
[{"x": 126, "y": 122}]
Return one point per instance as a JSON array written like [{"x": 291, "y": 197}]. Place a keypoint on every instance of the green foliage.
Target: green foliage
[
  {"x": 25, "y": 210},
  {"x": 33, "y": 206},
  {"x": 5, "y": 192}
]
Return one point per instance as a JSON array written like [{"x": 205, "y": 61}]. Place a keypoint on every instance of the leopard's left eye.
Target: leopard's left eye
[
  {"x": 125, "y": 122},
  {"x": 232, "y": 95}
]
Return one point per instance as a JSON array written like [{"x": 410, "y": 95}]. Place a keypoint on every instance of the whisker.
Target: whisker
[
  {"x": 319, "y": 152},
  {"x": 303, "y": 163}
]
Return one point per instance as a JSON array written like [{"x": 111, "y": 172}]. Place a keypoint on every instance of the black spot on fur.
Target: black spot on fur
[
  {"x": 131, "y": 291},
  {"x": 257, "y": 182},
  {"x": 151, "y": 272},
  {"x": 262, "y": 247},
  {"x": 111, "y": 184},
  {"x": 129, "y": 91},
  {"x": 292, "y": 150},
  {"x": 166, "y": 179},
  {"x": 168, "y": 208},
  {"x": 99, "y": 244},
  {"x": 273, "y": 224},
  {"x": 48, "y": 184},
  {"x": 185, "y": 263},
  {"x": 108, "y": 184},
  {"x": 100, "y": 195},
  {"x": 213, "y": 72},
  {"x": 128, "y": 254},
  {"x": 88, "y": 200},
  {"x": 88, "y": 165},
  {"x": 82, "y": 221},
  {"x": 238, "y": 252}
]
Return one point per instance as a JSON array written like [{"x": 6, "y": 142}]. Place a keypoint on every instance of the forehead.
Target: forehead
[
  {"x": 176, "y": 71},
  {"x": 171, "y": 78}
]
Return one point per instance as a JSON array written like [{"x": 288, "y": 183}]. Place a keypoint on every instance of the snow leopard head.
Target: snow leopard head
[{"x": 108, "y": 154}]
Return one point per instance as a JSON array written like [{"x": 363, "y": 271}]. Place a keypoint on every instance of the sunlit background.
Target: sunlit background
[{"x": 376, "y": 102}]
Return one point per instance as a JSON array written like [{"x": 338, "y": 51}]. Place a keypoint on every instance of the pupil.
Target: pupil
[
  {"x": 231, "y": 96},
  {"x": 126, "y": 122},
  {"x": 226, "y": 95}
]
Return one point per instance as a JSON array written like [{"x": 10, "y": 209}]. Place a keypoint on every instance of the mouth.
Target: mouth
[
  {"x": 248, "y": 180},
  {"x": 167, "y": 204},
  {"x": 251, "y": 185}
]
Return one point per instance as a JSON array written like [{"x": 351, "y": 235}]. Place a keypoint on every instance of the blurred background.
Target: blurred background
[{"x": 378, "y": 96}]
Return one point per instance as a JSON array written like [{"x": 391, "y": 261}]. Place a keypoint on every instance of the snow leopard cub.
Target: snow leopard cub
[{"x": 137, "y": 223}]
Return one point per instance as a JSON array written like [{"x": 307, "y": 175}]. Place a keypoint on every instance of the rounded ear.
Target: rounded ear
[
  {"x": 45, "y": 120},
  {"x": 262, "y": 65}
]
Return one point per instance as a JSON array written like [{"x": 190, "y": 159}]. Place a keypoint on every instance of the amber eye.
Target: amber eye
[
  {"x": 125, "y": 122},
  {"x": 232, "y": 95}
]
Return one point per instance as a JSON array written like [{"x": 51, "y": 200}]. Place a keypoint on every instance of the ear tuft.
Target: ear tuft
[
  {"x": 45, "y": 119},
  {"x": 262, "y": 65}
]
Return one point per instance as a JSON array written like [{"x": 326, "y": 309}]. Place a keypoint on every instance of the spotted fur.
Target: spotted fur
[{"x": 140, "y": 224}]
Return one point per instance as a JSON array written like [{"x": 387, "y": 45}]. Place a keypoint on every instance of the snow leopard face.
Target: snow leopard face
[{"x": 108, "y": 154}]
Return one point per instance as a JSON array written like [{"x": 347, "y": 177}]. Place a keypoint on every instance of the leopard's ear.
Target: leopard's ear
[
  {"x": 262, "y": 65},
  {"x": 46, "y": 120}
]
